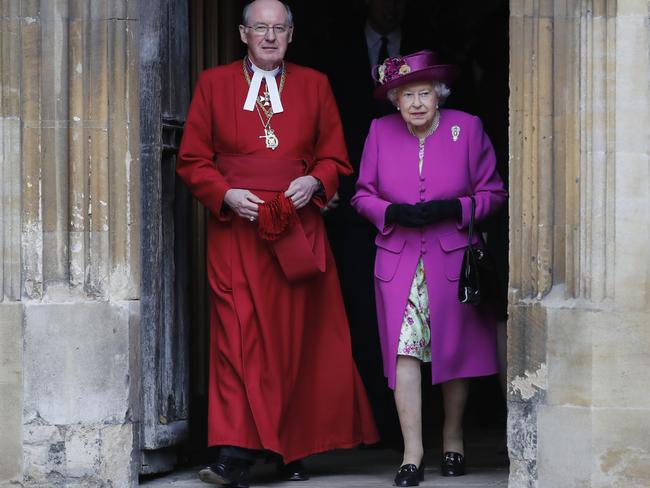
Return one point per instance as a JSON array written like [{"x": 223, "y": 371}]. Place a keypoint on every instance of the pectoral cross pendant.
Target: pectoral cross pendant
[
  {"x": 265, "y": 99},
  {"x": 270, "y": 138}
]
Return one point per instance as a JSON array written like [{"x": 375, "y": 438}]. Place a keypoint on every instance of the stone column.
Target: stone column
[
  {"x": 11, "y": 312},
  {"x": 580, "y": 227},
  {"x": 69, "y": 242}
]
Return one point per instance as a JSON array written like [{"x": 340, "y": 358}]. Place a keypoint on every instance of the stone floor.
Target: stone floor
[{"x": 364, "y": 468}]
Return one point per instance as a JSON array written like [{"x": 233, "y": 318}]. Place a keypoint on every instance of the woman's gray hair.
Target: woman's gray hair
[
  {"x": 248, "y": 6},
  {"x": 442, "y": 91}
]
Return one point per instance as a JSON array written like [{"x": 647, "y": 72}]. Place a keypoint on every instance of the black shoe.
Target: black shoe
[
  {"x": 452, "y": 464},
  {"x": 293, "y": 471},
  {"x": 229, "y": 472},
  {"x": 410, "y": 475}
]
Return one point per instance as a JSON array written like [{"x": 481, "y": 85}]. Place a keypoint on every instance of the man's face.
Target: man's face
[
  {"x": 386, "y": 15},
  {"x": 266, "y": 47}
]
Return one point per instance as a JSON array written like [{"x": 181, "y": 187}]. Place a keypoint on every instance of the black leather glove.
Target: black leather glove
[
  {"x": 436, "y": 210},
  {"x": 405, "y": 215}
]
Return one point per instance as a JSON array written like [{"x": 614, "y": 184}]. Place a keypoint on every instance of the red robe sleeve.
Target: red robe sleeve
[
  {"x": 195, "y": 163},
  {"x": 330, "y": 153}
]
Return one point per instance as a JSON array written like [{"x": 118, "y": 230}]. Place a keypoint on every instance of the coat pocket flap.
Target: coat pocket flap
[
  {"x": 456, "y": 240},
  {"x": 391, "y": 242}
]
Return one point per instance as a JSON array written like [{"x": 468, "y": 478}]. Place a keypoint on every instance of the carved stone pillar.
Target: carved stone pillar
[
  {"x": 580, "y": 272},
  {"x": 69, "y": 241},
  {"x": 11, "y": 313}
]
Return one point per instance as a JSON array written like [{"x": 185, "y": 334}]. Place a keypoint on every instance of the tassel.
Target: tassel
[{"x": 275, "y": 217}]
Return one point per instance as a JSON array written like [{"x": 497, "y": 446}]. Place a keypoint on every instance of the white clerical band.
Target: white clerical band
[{"x": 272, "y": 86}]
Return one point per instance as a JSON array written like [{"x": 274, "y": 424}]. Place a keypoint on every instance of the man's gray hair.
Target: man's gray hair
[
  {"x": 247, "y": 8},
  {"x": 442, "y": 91}
]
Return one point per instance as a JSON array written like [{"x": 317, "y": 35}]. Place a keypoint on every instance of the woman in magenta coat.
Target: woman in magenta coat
[{"x": 419, "y": 171}]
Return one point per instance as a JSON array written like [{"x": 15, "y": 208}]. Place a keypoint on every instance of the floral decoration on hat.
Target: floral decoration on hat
[{"x": 391, "y": 69}]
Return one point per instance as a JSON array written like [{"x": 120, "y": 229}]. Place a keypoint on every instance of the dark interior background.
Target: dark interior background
[{"x": 329, "y": 36}]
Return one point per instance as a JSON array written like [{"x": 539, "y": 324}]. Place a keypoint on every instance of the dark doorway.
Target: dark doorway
[
  {"x": 328, "y": 36},
  {"x": 473, "y": 35}
]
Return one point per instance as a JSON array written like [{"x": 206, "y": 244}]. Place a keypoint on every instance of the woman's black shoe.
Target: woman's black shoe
[
  {"x": 453, "y": 464},
  {"x": 410, "y": 475}
]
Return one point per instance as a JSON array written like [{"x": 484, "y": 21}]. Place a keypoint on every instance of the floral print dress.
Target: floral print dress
[{"x": 415, "y": 335}]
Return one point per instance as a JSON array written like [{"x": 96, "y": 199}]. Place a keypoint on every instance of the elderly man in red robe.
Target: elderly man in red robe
[{"x": 263, "y": 149}]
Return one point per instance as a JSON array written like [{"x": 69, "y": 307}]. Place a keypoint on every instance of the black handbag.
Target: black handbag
[{"x": 477, "y": 270}]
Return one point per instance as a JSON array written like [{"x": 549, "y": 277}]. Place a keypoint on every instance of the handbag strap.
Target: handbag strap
[{"x": 470, "y": 231}]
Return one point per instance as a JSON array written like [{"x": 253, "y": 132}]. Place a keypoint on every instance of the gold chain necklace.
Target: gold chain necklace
[
  {"x": 422, "y": 139},
  {"x": 269, "y": 136}
]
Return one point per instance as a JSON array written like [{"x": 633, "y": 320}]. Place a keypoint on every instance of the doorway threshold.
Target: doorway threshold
[{"x": 362, "y": 467}]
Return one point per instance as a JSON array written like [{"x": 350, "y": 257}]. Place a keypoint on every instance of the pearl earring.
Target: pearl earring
[{"x": 397, "y": 108}]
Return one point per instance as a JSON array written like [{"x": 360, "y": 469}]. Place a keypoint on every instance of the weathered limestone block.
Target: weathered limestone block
[
  {"x": 82, "y": 451},
  {"x": 570, "y": 356},
  {"x": 44, "y": 451},
  {"x": 592, "y": 429},
  {"x": 520, "y": 474},
  {"x": 79, "y": 455},
  {"x": 522, "y": 416},
  {"x": 522, "y": 440},
  {"x": 565, "y": 443},
  {"x": 596, "y": 448},
  {"x": 526, "y": 344},
  {"x": 621, "y": 448},
  {"x": 527, "y": 378},
  {"x": 79, "y": 396},
  {"x": 119, "y": 463},
  {"x": 77, "y": 362},
  {"x": 11, "y": 391},
  {"x": 621, "y": 341}
]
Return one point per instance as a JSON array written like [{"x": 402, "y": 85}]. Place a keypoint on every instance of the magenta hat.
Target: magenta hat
[{"x": 419, "y": 66}]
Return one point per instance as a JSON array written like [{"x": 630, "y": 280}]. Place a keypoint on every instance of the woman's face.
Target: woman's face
[{"x": 417, "y": 102}]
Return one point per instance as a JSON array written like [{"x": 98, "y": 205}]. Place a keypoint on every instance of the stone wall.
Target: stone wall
[
  {"x": 69, "y": 242},
  {"x": 580, "y": 227}
]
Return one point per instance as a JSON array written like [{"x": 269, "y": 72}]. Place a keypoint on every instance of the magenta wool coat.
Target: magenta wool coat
[{"x": 459, "y": 162}]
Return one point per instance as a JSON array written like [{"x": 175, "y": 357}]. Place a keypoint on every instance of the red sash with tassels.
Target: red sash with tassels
[{"x": 279, "y": 224}]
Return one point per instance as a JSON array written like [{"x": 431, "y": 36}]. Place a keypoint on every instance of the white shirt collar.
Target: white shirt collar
[
  {"x": 255, "y": 68},
  {"x": 271, "y": 85}
]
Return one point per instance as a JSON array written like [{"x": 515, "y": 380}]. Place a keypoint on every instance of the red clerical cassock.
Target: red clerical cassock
[{"x": 282, "y": 376}]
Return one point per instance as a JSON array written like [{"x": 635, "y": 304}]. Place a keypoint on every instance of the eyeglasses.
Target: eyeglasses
[{"x": 262, "y": 30}]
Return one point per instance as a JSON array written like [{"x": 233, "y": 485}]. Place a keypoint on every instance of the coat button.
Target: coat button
[
  {"x": 421, "y": 190},
  {"x": 424, "y": 250},
  {"x": 421, "y": 198},
  {"x": 422, "y": 178}
]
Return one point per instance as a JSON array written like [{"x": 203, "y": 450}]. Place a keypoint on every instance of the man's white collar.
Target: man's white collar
[{"x": 272, "y": 86}]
